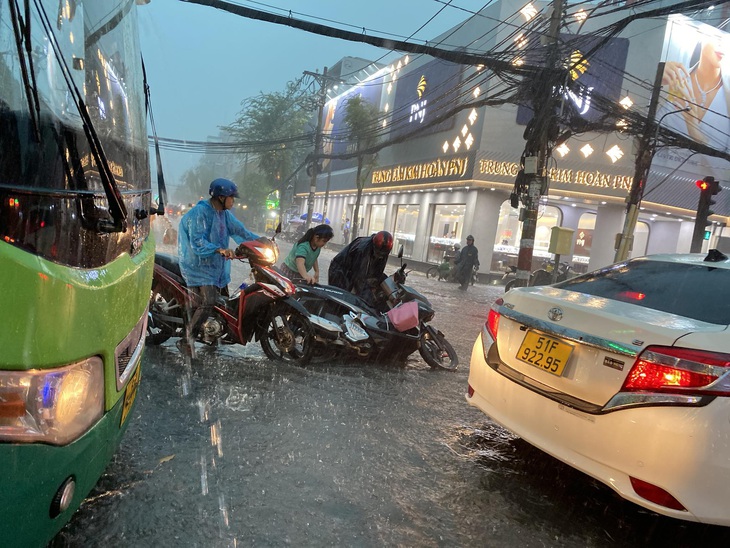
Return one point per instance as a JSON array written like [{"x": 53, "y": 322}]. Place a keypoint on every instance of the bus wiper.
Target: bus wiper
[
  {"x": 21, "y": 29},
  {"x": 118, "y": 222}
]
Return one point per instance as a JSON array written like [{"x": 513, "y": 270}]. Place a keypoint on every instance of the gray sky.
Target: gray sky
[{"x": 201, "y": 62}]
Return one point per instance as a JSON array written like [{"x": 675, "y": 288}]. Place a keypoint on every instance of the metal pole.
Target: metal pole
[
  {"x": 644, "y": 155},
  {"x": 537, "y": 173},
  {"x": 317, "y": 146}
]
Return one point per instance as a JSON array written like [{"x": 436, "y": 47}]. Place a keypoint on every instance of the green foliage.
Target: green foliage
[{"x": 361, "y": 120}]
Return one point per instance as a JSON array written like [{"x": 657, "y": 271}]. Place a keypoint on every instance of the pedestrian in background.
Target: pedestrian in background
[{"x": 468, "y": 259}]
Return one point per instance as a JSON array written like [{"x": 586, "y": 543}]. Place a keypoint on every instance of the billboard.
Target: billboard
[
  {"x": 601, "y": 74},
  {"x": 422, "y": 95},
  {"x": 696, "y": 76},
  {"x": 334, "y": 129}
]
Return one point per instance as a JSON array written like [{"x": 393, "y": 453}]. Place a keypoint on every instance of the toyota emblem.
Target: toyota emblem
[{"x": 555, "y": 314}]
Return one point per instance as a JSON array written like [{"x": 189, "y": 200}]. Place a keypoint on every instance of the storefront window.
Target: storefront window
[
  {"x": 509, "y": 232},
  {"x": 377, "y": 218},
  {"x": 406, "y": 220},
  {"x": 448, "y": 221},
  {"x": 641, "y": 239},
  {"x": 583, "y": 242}
]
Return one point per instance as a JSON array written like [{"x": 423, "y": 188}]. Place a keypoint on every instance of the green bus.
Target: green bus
[{"x": 76, "y": 258}]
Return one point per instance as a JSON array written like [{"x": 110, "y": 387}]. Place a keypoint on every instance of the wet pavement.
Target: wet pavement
[{"x": 235, "y": 450}]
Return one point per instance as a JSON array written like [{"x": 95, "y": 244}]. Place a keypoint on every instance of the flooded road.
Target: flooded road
[{"x": 241, "y": 451}]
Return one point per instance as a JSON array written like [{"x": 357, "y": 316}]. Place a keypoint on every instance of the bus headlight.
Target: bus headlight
[{"x": 53, "y": 406}]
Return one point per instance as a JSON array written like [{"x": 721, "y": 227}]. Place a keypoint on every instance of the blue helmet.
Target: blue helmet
[{"x": 223, "y": 187}]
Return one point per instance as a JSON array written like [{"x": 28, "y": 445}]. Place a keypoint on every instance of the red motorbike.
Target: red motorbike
[{"x": 264, "y": 310}]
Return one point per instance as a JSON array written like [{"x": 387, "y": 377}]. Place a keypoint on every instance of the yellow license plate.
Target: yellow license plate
[
  {"x": 130, "y": 393},
  {"x": 544, "y": 352}
]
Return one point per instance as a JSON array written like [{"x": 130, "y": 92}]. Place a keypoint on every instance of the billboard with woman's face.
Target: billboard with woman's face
[{"x": 696, "y": 78}]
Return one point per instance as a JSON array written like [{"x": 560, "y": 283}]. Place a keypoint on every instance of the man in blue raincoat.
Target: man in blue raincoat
[{"x": 203, "y": 239}]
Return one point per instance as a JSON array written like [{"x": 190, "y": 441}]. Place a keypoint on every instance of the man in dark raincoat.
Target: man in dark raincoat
[
  {"x": 359, "y": 267},
  {"x": 468, "y": 259}
]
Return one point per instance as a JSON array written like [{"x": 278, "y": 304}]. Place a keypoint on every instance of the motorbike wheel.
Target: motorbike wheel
[
  {"x": 432, "y": 272},
  {"x": 162, "y": 303},
  {"x": 437, "y": 351},
  {"x": 287, "y": 336},
  {"x": 509, "y": 285}
]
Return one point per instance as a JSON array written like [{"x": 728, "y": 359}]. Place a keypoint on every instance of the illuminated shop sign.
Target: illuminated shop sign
[
  {"x": 595, "y": 179},
  {"x": 602, "y": 73},
  {"x": 422, "y": 95},
  {"x": 451, "y": 168}
]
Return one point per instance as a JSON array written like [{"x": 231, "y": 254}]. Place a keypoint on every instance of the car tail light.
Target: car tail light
[
  {"x": 679, "y": 370},
  {"x": 655, "y": 494},
  {"x": 493, "y": 318}
]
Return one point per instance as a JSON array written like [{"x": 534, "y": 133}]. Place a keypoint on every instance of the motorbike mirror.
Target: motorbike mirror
[
  {"x": 278, "y": 229},
  {"x": 400, "y": 252}
]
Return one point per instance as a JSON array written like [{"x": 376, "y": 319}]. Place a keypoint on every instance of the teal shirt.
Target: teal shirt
[{"x": 305, "y": 251}]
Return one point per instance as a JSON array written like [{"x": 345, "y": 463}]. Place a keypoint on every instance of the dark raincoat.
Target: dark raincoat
[
  {"x": 467, "y": 260},
  {"x": 356, "y": 269}
]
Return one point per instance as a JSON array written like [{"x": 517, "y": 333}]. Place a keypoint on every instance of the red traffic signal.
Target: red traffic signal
[{"x": 702, "y": 185}]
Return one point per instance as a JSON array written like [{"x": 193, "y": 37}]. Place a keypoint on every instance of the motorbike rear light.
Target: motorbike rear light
[
  {"x": 655, "y": 494},
  {"x": 680, "y": 370},
  {"x": 493, "y": 318}
]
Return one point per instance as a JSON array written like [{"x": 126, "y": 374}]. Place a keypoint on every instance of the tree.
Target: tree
[
  {"x": 274, "y": 117},
  {"x": 361, "y": 121}
]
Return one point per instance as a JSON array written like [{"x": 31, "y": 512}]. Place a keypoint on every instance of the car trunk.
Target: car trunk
[{"x": 602, "y": 337}]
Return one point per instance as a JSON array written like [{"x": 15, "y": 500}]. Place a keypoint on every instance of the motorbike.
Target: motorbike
[
  {"x": 540, "y": 276},
  {"x": 343, "y": 322},
  {"x": 264, "y": 311}
]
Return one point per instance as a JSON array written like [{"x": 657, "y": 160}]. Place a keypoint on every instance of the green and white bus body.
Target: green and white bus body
[{"x": 75, "y": 274}]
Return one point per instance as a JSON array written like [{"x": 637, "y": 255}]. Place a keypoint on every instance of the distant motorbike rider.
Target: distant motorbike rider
[
  {"x": 359, "y": 267},
  {"x": 466, "y": 262},
  {"x": 203, "y": 239}
]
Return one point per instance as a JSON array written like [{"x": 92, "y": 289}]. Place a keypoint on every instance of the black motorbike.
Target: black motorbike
[
  {"x": 343, "y": 322},
  {"x": 541, "y": 276}
]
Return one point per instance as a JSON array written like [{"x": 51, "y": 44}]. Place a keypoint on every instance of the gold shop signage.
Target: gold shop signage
[
  {"x": 452, "y": 168},
  {"x": 596, "y": 179}
]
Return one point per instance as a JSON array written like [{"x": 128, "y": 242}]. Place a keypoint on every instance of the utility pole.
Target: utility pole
[
  {"x": 644, "y": 156},
  {"x": 536, "y": 150},
  {"x": 314, "y": 166}
]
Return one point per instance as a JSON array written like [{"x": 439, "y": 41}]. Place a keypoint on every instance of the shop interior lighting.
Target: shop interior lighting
[
  {"x": 445, "y": 148},
  {"x": 457, "y": 144},
  {"x": 528, "y": 12},
  {"x": 563, "y": 150},
  {"x": 473, "y": 116},
  {"x": 580, "y": 15},
  {"x": 615, "y": 153},
  {"x": 469, "y": 141},
  {"x": 586, "y": 150},
  {"x": 626, "y": 102},
  {"x": 464, "y": 130}
]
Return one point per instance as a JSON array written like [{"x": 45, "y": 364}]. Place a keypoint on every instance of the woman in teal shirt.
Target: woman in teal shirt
[{"x": 303, "y": 256}]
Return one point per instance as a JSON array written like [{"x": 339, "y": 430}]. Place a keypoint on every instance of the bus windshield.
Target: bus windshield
[{"x": 93, "y": 40}]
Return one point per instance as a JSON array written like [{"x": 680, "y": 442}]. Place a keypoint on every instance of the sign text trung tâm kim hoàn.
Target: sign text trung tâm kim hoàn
[
  {"x": 594, "y": 179},
  {"x": 454, "y": 168}
]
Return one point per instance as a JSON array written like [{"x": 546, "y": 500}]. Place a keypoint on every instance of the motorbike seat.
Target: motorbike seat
[{"x": 171, "y": 264}]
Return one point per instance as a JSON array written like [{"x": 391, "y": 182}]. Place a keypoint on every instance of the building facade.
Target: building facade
[{"x": 452, "y": 167}]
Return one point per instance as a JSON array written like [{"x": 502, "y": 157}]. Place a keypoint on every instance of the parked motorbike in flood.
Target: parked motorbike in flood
[
  {"x": 541, "y": 276},
  {"x": 344, "y": 322},
  {"x": 264, "y": 310}
]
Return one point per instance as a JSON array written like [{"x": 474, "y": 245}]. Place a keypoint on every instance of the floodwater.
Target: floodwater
[{"x": 235, "y": 450}]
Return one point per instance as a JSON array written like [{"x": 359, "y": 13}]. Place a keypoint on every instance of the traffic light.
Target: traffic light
[{"x": 709, "y": 187}]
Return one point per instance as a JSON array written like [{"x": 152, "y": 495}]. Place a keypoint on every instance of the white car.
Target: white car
[{"x": 624, "y": 374}]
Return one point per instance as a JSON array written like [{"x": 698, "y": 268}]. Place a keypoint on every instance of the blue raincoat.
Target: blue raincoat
[{"x": 203, "y": 230}]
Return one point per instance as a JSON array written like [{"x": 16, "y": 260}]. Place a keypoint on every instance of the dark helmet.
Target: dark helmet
[
  {"x": 382, "y": 243},
  {"x": 223, "y": 187},
  {"x": 324, "y": 231},
  {"x": 457, "y": 247},
  {"x": 470, "y": 237}
]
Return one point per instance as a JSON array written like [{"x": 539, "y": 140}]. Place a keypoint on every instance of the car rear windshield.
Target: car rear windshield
[{"x": 693, "y": 291}]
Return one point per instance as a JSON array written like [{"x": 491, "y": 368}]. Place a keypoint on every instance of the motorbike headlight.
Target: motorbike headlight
[{"x": 53, "y": 406}]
